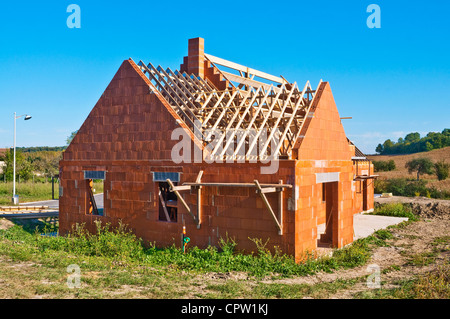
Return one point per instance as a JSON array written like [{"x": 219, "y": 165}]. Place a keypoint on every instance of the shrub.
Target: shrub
[
  {"x": 116, "y": 242},
  {"x": 395, "y": 210},
  {"x": 402, "y": 187},
  {"x": 442, "y": 170},
  {"x": 382, "y": 166},
  {"x": 380, "y": 186}
]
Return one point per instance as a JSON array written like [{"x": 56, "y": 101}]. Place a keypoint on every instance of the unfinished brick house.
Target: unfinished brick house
[{"x": 222, "y": 186}]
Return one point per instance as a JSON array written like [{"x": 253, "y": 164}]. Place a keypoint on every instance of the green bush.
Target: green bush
[
  {"x": 116, "y": 242},
  {"x": 403, "y": 187},
  {"x": 395, "y": 210},
  {"x": 383, "y": 166},
  {"x": 442, "y": 170}
]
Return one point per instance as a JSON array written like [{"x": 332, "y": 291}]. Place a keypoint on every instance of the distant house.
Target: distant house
[
  {"x": 2, "y": 163},
  {"x": 131, "y": 140}
]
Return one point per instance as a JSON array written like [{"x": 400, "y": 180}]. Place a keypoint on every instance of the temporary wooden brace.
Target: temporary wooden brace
[
  {"x": 278, "y": 221},
  {"x": 262, "y": 189},
  {"x": 177, "y": 189},
  {"x": 163, "y": 203}
]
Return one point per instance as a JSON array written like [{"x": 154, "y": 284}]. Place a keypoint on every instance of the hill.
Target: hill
[
  {"x": 413, "y": 143},
  {"x": 402, "y": 172}
]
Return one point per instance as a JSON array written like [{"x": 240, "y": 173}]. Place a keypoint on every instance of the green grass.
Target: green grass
[
  {"x": 431, "y": 285},
  {"x": 119, "y": 246},
  {"x": 28, "y": 192},
  {"x": 395, "y": 210},
  {"x": 116, "y": 263}
]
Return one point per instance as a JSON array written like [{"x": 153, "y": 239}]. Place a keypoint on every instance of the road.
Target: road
[{"x": 55, "y": 203}]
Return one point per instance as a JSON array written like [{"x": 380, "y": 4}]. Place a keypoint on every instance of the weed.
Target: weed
[
  {"x": 383, "y": 234},
  {"x": 395, "y": 210}
]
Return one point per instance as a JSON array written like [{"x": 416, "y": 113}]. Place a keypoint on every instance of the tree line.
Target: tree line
[
  {"x": 35, "y": 162},
  {"x": 413, "y": 143},
  {"x": 29, "y": 165}
]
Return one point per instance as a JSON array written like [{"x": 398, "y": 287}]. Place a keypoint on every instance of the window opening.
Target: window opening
[{"x": 167, "y": 203}]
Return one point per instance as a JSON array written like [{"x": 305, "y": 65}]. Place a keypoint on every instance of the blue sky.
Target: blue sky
[{"x": 392, "y": 80}]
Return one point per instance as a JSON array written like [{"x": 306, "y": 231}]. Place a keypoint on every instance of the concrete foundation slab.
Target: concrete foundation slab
[{"x": 365, "y": 225}]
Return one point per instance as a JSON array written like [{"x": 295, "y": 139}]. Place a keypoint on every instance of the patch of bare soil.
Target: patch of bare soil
[
  {"x": 421, "y": 206},
  {"x": 5, "y": 224}
]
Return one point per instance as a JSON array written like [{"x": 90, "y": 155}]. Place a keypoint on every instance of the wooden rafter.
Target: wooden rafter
[{"x": 245, "y": 111}]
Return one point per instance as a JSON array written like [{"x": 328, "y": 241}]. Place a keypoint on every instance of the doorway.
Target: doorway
[
  {"x": 364, "y": 194},
  {"x": 330, "y": 196}
]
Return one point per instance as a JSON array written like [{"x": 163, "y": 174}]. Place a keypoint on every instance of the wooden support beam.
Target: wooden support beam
[
  {"x": 247, "y": 81},
  {"x": 182, "y": 188},
  {"x": 238, "y": 185},
  {"x": 250, "y": 124},
  {"x": 163, "y": 203},
  {"x": 181, "y": 199},
  {"x": 266, "y": 202},
  {"x": 275, "y": 127},
  {"x": 268, "y": 190},
  {"x": 300, "y": 101},
  {"x": 199, "y": 199},
  {"x": 244, "y": 69},
  {"x": 230, "y": 139},
  {"x": 263, "y": 124},
  {"x": 280, "y": 208},
  {"x": 297, "y": 135}
]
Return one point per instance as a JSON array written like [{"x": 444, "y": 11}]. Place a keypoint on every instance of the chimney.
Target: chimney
[{"x": 196, "y": 57}]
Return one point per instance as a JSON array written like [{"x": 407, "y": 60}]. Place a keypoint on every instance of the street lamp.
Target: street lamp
[{"x": 15, "y": 198}]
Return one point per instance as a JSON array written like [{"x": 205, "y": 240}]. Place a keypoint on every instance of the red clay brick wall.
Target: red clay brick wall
[
  {"x": 323, "y": 149},
  {"x": 131, "y": 196},
  {"x": 127, "y": 123},
  {"x": 363, "y": 188},
  {"x": 128, "y": 135}
]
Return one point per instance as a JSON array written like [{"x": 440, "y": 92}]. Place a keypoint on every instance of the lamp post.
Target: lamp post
[{"x": 15, "y": 198}]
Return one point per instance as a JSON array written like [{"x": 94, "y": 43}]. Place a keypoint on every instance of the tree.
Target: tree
[
  {"x": 383, "y": 166},
  {"x": 71, "y": 137},
  {"x": 412, "y": 137},
  {"x": 45, "y": 162},
  {"x": 23, "y": 167},
  {"x": 387, "y": 145},
  {"x": 442, "y": 170},
  {"x": 379, "y": 149},
  {"x": 422, "y": 165}
]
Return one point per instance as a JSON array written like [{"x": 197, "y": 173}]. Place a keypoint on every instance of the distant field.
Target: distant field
[{"x": 402, "y": 172}]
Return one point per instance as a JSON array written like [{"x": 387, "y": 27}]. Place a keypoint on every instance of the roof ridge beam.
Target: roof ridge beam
[{"x": 239, "y": 67}]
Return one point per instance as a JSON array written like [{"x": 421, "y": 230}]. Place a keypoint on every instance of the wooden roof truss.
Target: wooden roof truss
[{"x": 249, "y": 121}]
